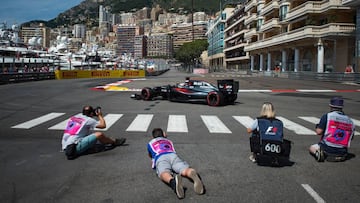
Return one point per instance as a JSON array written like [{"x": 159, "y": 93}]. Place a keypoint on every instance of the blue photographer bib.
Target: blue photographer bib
[{"x": 270, "y": 129}]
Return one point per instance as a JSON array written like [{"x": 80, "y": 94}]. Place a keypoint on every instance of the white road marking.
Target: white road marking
[
  {"x": 140, "y": 123},
  {"x": 110, "y": 119},
  {"x": 302, "y": 90},
  {"x": 356, "y": 122},
  {"x": 310, "y": 119},
  {"x": 244, "y": 91},
  {"x": 298, "y": 129},
  {"x": 312, "y": 192},
  {"x": 59, "y": 126},
  {"x": 244, "y": 120},
  {"x": 177, "y": 123},
  {"x": 214, "y": 124},
  {"x": 37, "y": 121}
]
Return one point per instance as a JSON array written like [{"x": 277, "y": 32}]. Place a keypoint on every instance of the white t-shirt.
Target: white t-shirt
[{"x": 77, "y": 127}]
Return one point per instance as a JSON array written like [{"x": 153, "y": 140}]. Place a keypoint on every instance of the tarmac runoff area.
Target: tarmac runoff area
[{"x": 118, "y": 86}]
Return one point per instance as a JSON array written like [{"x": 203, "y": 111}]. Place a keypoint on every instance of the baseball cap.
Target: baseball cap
[{"x": 337, "y": 102}]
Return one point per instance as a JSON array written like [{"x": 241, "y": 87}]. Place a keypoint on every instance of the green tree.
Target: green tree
[{"x": 189, "y": 53}]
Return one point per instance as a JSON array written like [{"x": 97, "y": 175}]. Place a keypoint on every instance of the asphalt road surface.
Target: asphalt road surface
[{"x": 34, "y": 169}]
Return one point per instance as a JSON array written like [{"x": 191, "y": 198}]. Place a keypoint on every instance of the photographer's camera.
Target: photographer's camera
[{"x": 97, "y": 110}]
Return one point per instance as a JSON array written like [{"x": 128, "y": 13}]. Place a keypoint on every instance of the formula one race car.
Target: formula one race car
[{"x": 194, "y": 91}]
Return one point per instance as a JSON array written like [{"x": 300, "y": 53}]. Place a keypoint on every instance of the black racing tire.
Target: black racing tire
[
  {"x": 232, "y": 98},
  {"x": 146, "y": 93},
  {"x": 215, "y": 98}
]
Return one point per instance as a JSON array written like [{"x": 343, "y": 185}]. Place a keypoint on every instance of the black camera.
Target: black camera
[{"x": 97, "y": 110}]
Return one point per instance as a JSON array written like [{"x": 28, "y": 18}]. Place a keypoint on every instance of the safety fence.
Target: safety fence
[
  {"x": 73, "y": 74},
  {"x": 6, "y": 78},
  {"x": 15, "y": 77},
  {"x": 328, "y": 77}
]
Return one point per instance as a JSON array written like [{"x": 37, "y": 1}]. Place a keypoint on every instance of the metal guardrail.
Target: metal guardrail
[
  {"x": 6, "y": 78},
  {"x": 329, "y": 77}
]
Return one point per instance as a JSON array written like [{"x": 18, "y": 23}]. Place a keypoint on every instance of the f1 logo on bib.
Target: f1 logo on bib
[{"x": 271, "y": 130}]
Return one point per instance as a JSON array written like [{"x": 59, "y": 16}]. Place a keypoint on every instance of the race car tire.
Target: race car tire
[
  {"x": 146, "y": 93},
  {"x": 232, "y": 98},
  {"x": 215, "y": 98}
]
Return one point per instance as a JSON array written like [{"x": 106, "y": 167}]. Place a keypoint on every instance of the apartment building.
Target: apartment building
[
  {"x": 215, "y": 36},
  {"x": 160, "y": 45},
  {"x": 126, "y": 38},
  {"x": 40, "y": 32},
  {"x": 140, "y": 50},
  {"x": 187, "y": 32},
  {"x": 317, "y": 36},
  {"x": 235, "y": 40}
]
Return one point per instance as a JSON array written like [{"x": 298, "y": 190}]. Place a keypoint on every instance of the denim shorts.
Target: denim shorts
[
  {"x": 86, "y": 143},
  {"x": 333, "y": 150}
]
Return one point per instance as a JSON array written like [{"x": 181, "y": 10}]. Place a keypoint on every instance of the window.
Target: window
[{"x": 283, "y": 11}]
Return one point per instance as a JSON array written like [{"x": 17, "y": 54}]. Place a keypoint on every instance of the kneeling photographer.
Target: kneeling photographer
[{"x": 79, "y": 136}]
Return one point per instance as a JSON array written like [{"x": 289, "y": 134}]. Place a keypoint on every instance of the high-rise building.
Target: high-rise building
[
  {"x": 140, "y": 49},
  {"x": 79, "y": 31},
  {"x": 160, "y": 45},
  {"x": 126, "y": 38},
  {"x": 215, "y": 36},
  {"x": 187, "y": 32},
  {"x": 128, "y": 19},
  {"x": 40, "y": 33}
]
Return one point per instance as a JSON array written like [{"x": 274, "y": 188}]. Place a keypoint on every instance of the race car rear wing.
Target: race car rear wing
[{"x": 228, "y": 86}]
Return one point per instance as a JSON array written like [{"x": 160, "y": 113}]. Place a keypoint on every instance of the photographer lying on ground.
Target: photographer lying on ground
[{"x": 79, "y": 137}]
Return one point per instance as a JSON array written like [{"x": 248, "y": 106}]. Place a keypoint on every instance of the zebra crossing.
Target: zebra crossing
[{"x": 177, "y": 123}]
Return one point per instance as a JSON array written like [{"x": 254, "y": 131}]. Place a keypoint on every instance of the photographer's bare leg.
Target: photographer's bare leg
[
  {"x": 103, "y": 139},
  {"x": 106, "y": 140}
]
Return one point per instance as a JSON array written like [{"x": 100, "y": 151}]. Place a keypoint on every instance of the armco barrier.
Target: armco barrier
[
  {"x": 72, "y": 74},
  {"x": 6, "y": 78}
]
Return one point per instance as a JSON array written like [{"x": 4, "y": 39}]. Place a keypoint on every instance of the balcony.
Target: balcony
[
  {"x": 270, "y": 24},
  {"x": 250, "y": 5},
  {"x": 238, "y": 21},
  {"x": 242, "y": 44},
  {"x": 250, "y": 19},
  {"x": 269, "y": 7},
  {"x": 250, "y": 33},
  {"x": 336, "y": 29},
  {"x": 313, "y": 7},
  {"x": 235, "y": 35},
  {"x": 238, "y": 58}
]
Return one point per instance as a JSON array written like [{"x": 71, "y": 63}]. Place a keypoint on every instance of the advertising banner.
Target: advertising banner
[{"x": 72, "y": 74}]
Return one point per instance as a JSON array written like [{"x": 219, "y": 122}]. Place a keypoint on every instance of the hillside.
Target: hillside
[{"x": 87, "y": 12}]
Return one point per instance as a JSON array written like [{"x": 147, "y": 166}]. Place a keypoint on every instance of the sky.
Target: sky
[{"x": 20, "y": 11}]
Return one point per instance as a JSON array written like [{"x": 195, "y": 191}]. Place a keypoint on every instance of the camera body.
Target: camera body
[{"x": 97, "y": 110}]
